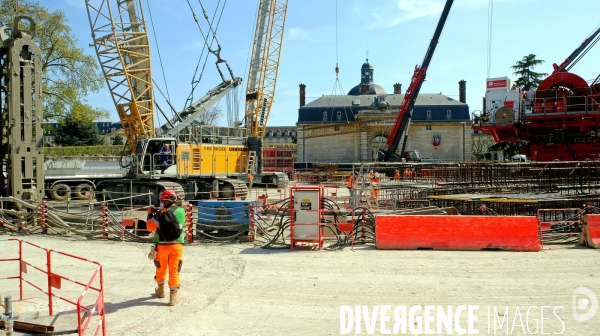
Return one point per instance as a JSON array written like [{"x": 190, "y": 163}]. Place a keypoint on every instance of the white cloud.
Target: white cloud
[
  {"x": 76, "y": 3},
  {"x": 413, "y": 9},
  {"x": 297, "y": 33},
  {"x": 388, "y": 16},
  {"x": 194, "y": 45}
]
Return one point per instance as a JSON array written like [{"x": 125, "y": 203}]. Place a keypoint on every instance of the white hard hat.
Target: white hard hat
[{"x": 376, "y": 174}]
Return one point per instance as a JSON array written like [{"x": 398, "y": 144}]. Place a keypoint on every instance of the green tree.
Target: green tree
[
  {"x": 118, "y": 140},
  {"x": 78, "y": 128},
  {"x": 68, "y": 74},
  {"x": 528, "y": 79}
]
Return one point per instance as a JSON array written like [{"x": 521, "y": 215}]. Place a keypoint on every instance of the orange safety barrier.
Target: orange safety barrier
[
  {"x": 137, "y": 226},
  {"x": 591, "y": 231},
  {"x": 93, "y": 310},
  {"x": 511, "y": 233}
]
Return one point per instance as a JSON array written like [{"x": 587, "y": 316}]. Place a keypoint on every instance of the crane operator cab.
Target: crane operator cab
[{"x": 156, "y": 157}]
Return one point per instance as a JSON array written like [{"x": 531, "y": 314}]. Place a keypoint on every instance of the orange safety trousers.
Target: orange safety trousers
[{"x": 168, "y": 257}]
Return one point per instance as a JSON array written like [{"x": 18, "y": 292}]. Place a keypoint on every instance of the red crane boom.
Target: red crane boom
[{"x": 405, "y": 113}]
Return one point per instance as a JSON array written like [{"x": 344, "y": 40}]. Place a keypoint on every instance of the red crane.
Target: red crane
[
  {"x": 405, "y": 113},
  {"x": 560, "y": 120}
]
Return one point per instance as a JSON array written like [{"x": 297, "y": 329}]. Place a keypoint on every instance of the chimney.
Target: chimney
[
  {"x": 397, "y": 88},
  {"x": 462, "y": 91},
  {"x": 364, "y": 89},
  {"x": 302, "y": 95}
]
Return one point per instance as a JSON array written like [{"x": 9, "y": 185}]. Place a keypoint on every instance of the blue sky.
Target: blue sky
[{"x": 395, "y": 33}]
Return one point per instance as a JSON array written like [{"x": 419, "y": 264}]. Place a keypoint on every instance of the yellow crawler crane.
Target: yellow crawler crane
[{"x": 202, "y": 159}]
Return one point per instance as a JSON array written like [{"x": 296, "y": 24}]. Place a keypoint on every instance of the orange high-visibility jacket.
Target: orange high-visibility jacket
[{"x": 351, "y": 182}]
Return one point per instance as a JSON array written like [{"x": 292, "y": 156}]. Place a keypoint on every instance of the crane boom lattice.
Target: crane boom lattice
[
  {"x": 264, "y": 64},
  {"x": 121, "y": 43}
]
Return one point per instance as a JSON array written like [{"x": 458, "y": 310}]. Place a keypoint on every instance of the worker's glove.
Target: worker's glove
[{"x": 152, "y": 254}]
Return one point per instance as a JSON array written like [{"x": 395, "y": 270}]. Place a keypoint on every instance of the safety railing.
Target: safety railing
[
  {"x": 85, "y": 313},
  {"x": 564, "y": 105},
  {"x": 132, "y": 221},
  {"x": 223, "y": 220},
  {"x": 206, "y": 134},
  {"x": 559, "y": 225}
]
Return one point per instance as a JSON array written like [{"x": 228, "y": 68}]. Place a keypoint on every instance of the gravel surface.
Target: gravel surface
[{"x": 234, "y": 289}]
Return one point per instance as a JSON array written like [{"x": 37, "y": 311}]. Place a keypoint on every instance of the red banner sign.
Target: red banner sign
[{"x": 497, "y": 84}]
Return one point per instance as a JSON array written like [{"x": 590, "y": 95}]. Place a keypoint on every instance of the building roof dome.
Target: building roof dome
[
  {"x": 366, "y": 78},
  {"x": 374, "y": 89},
  {"x": 367, "y": 65}
]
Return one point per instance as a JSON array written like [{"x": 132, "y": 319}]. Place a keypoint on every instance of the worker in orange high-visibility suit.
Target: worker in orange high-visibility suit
[
  {"x": 375, "y": 184},
  {"x": 250, "y": 180},
  {"x": 351, "y": 185},
  {"x": 167, "y": 255},
  {"x": 397, "y": 175}
]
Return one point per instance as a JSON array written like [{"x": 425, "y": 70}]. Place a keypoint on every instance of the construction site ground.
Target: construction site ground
[
  {"x": 239, "y": 289},
  {"x": 233, "y": 289}
]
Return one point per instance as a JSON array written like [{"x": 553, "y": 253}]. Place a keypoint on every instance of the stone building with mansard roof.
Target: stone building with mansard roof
[{"x": 352, "y": 127}]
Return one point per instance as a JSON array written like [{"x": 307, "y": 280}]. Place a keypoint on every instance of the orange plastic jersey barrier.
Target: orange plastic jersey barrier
[
  {"x": 511, "y": 233},
  {"x": 591, "y": 231}
]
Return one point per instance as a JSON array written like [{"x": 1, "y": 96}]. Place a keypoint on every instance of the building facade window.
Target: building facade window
[
  {"x": 336, "y": 128},
  {"x": 428, "y": 127},
  {"x": 325, "y": 116}
]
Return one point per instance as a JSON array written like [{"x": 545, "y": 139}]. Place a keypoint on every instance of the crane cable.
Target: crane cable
[
  {"x": 489, "y": 42},
  {"x": 195, "y": 82},
  {"x": 249, "y": 56},
  {"x": 337, "y": 85},
  {"x": 584, "y": 52},
  {"x": 158, "y": 50},
  {"x": 217, "y": 51},
  {"x": 337, "y": 69}
]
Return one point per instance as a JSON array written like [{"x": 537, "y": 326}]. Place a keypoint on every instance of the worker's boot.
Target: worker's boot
[
  {"x": 160, "y": 290},
  {"x": 174, "y": 300}
]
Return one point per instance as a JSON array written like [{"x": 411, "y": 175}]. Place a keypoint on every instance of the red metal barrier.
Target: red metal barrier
[
  {"x": 104, "y": 208},
  {"x": 252, "y": 231},
  {"x": 512, "y": 233},
  {"x": 44, "y": 216},
  {"x": 54, "y": 282},
  {"x": 189, "y": 223}
]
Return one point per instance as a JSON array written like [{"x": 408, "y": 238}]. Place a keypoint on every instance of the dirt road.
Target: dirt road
[{"x": 234, "y": 289}]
